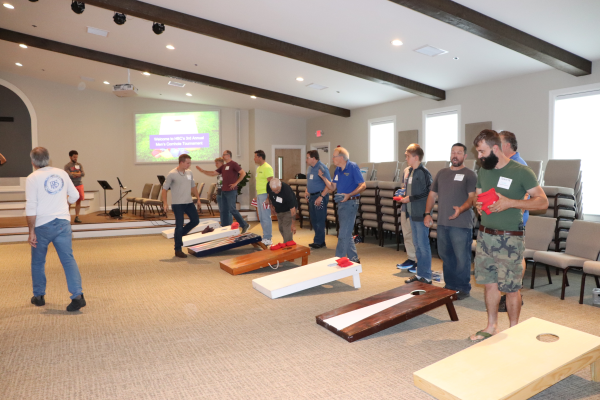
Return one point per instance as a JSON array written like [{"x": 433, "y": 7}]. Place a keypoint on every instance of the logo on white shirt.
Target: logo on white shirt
[{"x": 53, "y": 184}]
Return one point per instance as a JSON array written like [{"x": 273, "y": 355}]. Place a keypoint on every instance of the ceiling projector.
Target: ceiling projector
[{"x": 125, "y": 90}]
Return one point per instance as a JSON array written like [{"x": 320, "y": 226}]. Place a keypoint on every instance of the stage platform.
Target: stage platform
[
  {"x": 517, "y": 363},
  {"x": 250, "y": 262},
  {"x": 384, "y": 310}
]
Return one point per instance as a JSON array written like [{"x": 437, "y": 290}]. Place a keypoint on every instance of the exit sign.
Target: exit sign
[{"x": 319, "y": 133}]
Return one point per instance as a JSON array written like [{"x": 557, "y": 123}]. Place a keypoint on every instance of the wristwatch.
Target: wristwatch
[{"x": 425, "y": 214}]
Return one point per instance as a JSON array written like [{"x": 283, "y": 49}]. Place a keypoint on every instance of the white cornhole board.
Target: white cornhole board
[
  {"x": 170, "y": 233},
  {"x": 219, "y": 233},
  {"x": 305, "y": 277}
]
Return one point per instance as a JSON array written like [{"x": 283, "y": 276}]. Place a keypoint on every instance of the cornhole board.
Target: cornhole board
[
  {"x": 306, "y": 277},
  {"x": 384, "y": 310},
  {"x": 228, "y": 243},
  {"x": 219, "y": 233},
  {"x": 513, "y": 364},
  {"x": 170, "y": 233},
  {"x": 250, "y": 262}
]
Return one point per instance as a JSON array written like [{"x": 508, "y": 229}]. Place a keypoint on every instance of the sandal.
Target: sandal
[{"x": 484, "y": 335}]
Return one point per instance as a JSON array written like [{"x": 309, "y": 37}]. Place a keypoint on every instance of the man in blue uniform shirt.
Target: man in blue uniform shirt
[
  {"x": 349, "y": 182},
  {"x": 318, "y": 196}
]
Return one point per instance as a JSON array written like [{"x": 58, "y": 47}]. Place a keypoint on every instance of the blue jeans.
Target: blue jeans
[
  {"x": 222, "y": 214},
  {"x": 318, "y": 217},
  {"x": 346, "y": 216},
  {"x": 454, "y": 248},
  {"x": 180, "y": 230},
  {"x": 265, "y": 217},
  {"x": 228, "y": 198},
  {"x": 420, "y": 235},
  {"x": 58, "y": 232}
]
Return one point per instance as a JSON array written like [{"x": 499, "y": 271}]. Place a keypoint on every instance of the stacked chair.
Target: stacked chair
[
  {"x": 536, "y": 167},
  {"x": 389, "y": 211},
  {"x": 368, "y": 209},
  {"x": 139, "y": 200},
  {"x": 303, "y": 209},
  {"x": 153, "y": 200},
  {"x": 207, "y": 200},
  {"x": 386, "y": 171},
  {"x": 370, "y": 170},
  {"x": 199, "y": 188}
]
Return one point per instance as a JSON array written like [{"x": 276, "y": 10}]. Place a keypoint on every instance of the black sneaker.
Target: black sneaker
[
  {"x": 38, "y": 302},
  {"x": 415, "y": 279},
  {"x": 502, "y": 305},
  {"x": 77, "y": 220},
  {"x": 76, "y": 304},
  {"x": 316, "y": 246},
  {"x": 245, "y": 229},
  {"x": 462, "y": 295}
]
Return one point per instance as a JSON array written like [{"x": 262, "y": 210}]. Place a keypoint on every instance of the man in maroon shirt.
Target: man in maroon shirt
[{"x": 232, "y": 175}]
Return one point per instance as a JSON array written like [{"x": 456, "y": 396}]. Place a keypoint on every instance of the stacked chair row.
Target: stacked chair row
[{"x": 150, "y": 199}]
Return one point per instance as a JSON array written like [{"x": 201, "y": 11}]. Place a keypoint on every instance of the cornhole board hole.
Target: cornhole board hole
[
  {"x": 170, "y": 233},
  {"x": 517, "y": 363},
  {"x": 219, "y": 233},
  {"x": 228, "y": 243},
  {"x": 250, "y": 262},
  {"x": 306, "y": 277},
  {"x": 384, "y": 310}
]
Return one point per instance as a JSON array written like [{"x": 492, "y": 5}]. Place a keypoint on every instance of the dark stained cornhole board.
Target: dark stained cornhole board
[
  {"x": 384, "y": 310},
  {"x": 250, "y": 262},
  {"x": 228, "y": 243}
]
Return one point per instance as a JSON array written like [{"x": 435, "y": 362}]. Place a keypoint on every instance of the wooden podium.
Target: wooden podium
[
  {"x": 384, "y": 310},
  {"x": 250, "y": 262}
]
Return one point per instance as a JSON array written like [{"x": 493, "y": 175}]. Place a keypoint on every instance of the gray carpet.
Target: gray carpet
[{"x": 157, "y": 327}]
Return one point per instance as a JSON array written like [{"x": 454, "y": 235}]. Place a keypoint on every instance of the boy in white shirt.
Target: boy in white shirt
[{"x": 49, "y": 191}]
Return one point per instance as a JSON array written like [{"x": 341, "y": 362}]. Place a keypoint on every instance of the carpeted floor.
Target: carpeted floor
[{"x": 157, "y": 327}]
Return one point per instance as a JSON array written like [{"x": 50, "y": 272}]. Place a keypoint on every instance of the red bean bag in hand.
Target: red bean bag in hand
[
  {"x": 487, "y": 199},
  {"x": 398, "y": 198}
]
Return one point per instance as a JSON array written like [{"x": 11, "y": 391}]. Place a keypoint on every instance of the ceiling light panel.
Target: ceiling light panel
[
  {"x": 316, "y": 86},
  {"x": 178, "y": 84},
  {"x": 97, "y": 31},
  {"x": 430, "y": 51}
]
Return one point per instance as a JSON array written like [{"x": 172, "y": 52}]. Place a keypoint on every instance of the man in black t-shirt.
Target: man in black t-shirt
[{"x": 282, "y": 197}]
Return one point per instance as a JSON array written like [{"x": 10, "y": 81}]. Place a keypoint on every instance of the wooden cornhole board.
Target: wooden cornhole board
[
  {"x": 219, "y": 233},
  {"x": 513, "y": 364},
  {"x": 170, "y": 233},
  {"x": 384, "y": 310},
  {"x": 306, "y": 277},
  {"x": 250, "y": 262},
  {"x": 228, "y": 243}
]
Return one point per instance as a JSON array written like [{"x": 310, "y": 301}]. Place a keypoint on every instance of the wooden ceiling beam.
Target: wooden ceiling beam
[
  {"x": 106, "y": 58},
  {"x": 498, "y": 32},
  {"x": 244, "y": 38}
]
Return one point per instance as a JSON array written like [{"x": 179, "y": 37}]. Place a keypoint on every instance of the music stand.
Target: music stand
[
  {"x": 121, "y": 195},
  {"x": 105, "y": 185},
  {"x": 161, "y": 180}
]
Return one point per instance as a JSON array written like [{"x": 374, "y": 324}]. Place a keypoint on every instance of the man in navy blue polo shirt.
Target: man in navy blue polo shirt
[
  {"x": 349, "y": 182},
  {"x": 318, "y": 196}
]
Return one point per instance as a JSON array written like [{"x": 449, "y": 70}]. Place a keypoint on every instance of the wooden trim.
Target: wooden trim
[
  {"x": 244, "y": 38},
  {"x": 155, "y": 69},
  {"x": 505, "y": 35}
]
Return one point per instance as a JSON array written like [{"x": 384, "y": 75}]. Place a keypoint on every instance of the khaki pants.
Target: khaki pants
[
  {"x": 285, "y": 225},
  {"x": 407, "y": 233}
]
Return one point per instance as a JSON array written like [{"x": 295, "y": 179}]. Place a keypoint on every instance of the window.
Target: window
[
  {"x": 440, "y": 132},
  {"x": 382, "y": 140},
  {"x": 576, "y": 135}
]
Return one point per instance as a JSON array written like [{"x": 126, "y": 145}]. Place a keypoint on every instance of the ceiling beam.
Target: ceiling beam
[
  {"x": 106, "y": 58},
  {"x": 244, "y": 38},
  {"x": 505, "y": 35}
]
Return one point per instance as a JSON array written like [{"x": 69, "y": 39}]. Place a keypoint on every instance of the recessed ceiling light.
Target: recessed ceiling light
[
  {"x": 299, "y": 79},
  {"x": 455, "y": 58},
  {"x": 252, "y": 97},
  {"x": 397, "y": 42},
  {"x": 146, "y": 73},
  {"x": 24, "y": 46},
  {"x": 19, "y": 64},
  {"x": 170, "y": 47},
  {"x": 188, "y": 94},
  {"x": 8, "y": 5},
  {"x": 106, "y": 82}
]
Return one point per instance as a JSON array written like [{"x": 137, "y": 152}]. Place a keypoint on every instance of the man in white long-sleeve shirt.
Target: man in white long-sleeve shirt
[{"x": 49, "y": 192}]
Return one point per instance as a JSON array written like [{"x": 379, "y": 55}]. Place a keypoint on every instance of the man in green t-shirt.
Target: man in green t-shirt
[
  {"x": 264, "y": 174},
  {"x": 500, "y": 241}
]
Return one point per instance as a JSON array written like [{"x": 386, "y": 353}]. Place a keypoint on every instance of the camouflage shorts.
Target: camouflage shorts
[{"x": 498, "y": 260}]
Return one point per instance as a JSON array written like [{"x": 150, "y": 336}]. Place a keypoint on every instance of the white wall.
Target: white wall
[{"x": 518, "y": 104}]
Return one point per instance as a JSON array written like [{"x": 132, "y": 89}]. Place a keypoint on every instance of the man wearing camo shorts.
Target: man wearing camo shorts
[{"x": 500, "y": 241}]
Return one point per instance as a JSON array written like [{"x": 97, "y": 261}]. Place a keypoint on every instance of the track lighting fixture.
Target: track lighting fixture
[
  {"x": 158, "y": 28},
  {"x": 77, "y": 6},
  {"x": 119, "y": 18}
]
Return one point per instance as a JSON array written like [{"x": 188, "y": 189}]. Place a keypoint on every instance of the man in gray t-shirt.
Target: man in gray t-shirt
[
  {"x": 454, "y": 188},
  {"x": 181, "y": 183}
]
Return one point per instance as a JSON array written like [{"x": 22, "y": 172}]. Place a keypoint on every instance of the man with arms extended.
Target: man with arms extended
[
  {"x": 318, "y": 196},
  {"x": 264, "y": 174},
  {"x": 282, "y": 197},
  {"x": 349, "y": 182},
  {"x": 181, "y": 183},
  {"x": 500, "y": 241},
  {"x": 232, "y": 175},
  {"x": 75, "y": 171},
  {"x": 454, "y": 188},
  {"x": 49, "y": 191}
]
